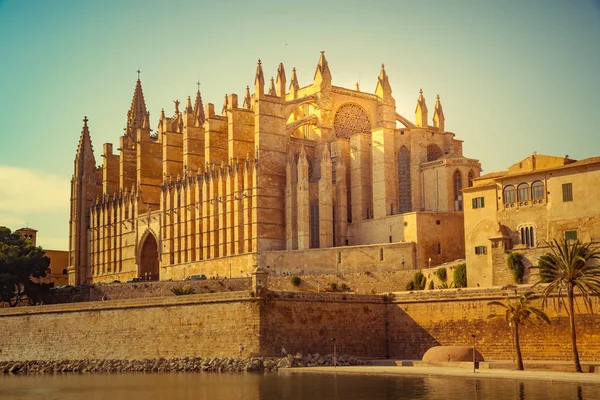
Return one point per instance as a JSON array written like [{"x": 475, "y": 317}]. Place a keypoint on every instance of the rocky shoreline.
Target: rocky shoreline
[{"x": 186, "y": 364}]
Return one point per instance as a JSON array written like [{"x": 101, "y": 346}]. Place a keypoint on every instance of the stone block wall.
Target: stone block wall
[
  {"x": 194, "y": 325},
  {"x": 420, "y": 320},
  {"x": 306, "y": 323}
]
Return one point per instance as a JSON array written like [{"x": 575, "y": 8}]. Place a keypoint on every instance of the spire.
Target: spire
[
  {"x": 146, "y": 123},
  {"x": 421, "y": 111},
  {"x": 383, "y": 88},
  {"x": 247, "y": 99},
  {"x": 322, "y": 73},
  {"x": 85, "y": 152},
  {"x": 224, "y": 109},
  {"x": 198, "y": 109},
  {"x": 137, "y": 111},
  {"x": 438, "y": 115},
  {"x": 259, "y": 80},
  {"x": 357, "y": 87},
  {"x": 188, "y": 105},
  {"x": 281, "y": 80},
  {"x": 272, "y": 91},
  {"x": 294, "y": 85}
]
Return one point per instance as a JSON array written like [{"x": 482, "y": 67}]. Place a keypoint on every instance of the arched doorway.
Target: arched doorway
[{"x": 148, "y": 261}]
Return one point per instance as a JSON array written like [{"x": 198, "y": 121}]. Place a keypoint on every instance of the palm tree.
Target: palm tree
[
  {"x": 570, "y": 268},
  {"x": 519, "y": 312}
]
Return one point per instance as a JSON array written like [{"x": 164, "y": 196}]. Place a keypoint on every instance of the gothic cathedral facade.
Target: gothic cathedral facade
[{"x": 299, "y": 179}]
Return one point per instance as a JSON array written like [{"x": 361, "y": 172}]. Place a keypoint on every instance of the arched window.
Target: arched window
[
  {"x": 64, "y": 271},
  {"x": 523, "y": 192},
  {"x": 527, "y": 236},
  {"x": 404, "y": 193},
  {"x": 537, "y": 190},
  {"x": 471, "y": 176},
  {"x": 509, "y": 194},
  {"x": 434, "y": 152},
  {"x": 457, "y": 194}
]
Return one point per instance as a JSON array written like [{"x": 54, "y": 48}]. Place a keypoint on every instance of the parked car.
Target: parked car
[
  {"x": 199, "y": 277},
  {"x": 114, "y": 281},
  {"x": 133, "y": 280}
]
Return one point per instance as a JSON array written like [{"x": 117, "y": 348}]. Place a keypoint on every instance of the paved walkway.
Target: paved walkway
[{"x": 591, "y": 378}]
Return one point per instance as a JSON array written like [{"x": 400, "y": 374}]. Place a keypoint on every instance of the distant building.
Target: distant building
[
  {"x": 521, "y": 209},
  {"x": 59, "y": 260},
  {"x": 314, "y": 178}
]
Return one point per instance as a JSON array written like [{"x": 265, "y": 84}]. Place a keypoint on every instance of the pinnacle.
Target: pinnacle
[{"x": 137, "y": 111}]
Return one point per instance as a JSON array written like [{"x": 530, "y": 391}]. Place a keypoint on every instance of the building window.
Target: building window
[
  {"x": 404, "y": 197},
  {"x": 537, "y": 190},
  {"x": 567, "y": 190},
  {"x": 64, "y": 271},
  {"x": 523, "y": 192},
  {"x": 480, "y": 250},
  {"x": 527, "y": 236},
  {"x": 439, "y": 248},
  {"x": 381, "y": 254},
  {"x": 477, "y": 202},
  {"x": 509, "y": 195},
  {"x": 434, "y": 152},
  {"x": 457, "y": 194},
  {"x": 570, "y": 235},
  {"x": 314, "y": 225},
  {"x": 470, "y": 178}
]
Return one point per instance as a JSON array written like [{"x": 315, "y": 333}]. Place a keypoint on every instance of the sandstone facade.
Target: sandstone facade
[
  {"x": 312, "y": 171},
  {"x": 523, "y": 208}
]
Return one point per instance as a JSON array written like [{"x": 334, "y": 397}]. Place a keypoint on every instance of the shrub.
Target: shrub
[
  {"x": 441, "y": 273},
  {"x": 514, "y": 261},
  {"x": 460, "y": 275},
  {"x": 333, "y": 286},
  {"x": 418, "y": 282},
  {"x": 445, "y": 285},
  {"x": 295, "y": 280},
  {"x": 344, "y": 287},
  {"x": 430, "y": 287},
  {"x": 182, "y": 291}
]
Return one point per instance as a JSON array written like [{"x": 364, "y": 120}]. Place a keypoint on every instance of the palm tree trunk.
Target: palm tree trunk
[
  {"x": 518, "y": 348},
  {"x": 570, "y": 296}
]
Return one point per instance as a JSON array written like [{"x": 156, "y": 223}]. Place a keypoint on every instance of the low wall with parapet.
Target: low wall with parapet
[{"x": 194, "y": 325}]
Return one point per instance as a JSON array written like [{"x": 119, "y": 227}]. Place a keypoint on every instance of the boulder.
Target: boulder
[{"x": 439, "y": 354}]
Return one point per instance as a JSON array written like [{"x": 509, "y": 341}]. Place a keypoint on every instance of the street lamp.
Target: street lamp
[
  {"x": 474, "y": 339},
  {"x": 334, "y": 353}
]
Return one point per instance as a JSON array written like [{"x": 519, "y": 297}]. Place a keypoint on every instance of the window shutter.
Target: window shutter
[
  {"x": 482, "y": 202},
  {"x": 473, "y": 204}
]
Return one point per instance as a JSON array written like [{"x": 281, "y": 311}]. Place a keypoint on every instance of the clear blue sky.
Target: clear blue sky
[{"x": 515, "y": 76}]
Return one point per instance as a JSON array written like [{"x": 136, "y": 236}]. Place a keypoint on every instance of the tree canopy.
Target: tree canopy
[{"x": 19, "y": 262}]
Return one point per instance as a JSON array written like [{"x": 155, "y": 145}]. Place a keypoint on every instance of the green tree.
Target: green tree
[
  {"x": 19, "y": 262},
  {"x": 460, "y": 275},
  {"x": 515, "y": 264},
  {"x": 570, "y": 267},
  {"x": 519, "y": 312}
]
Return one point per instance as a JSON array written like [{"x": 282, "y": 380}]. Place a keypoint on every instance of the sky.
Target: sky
[{"x": 514, "y": 76}]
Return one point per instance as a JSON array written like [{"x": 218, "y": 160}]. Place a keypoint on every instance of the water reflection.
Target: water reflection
[{"x": 281, "y": 386}]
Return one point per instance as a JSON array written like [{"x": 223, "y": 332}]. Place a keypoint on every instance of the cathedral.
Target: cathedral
[{"x": 310, "y": 179}]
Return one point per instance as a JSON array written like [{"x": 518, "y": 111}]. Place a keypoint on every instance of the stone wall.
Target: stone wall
[
  {"x": 194, "y": 325},
  {"x": 403, "y": 325},
  {"x": 306, "y": 323},
  {"x": 420, "y": 320}
]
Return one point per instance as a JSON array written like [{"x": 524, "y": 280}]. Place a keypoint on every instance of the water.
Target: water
[{"x": 286, "y": 385}]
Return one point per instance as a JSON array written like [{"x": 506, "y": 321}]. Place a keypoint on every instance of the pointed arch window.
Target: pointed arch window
[
  {"x": 434, "y": 152},
  {"x": 404, "y": 193},
  {"x": 458, "y": 206},
  {"x": 470, "y": 178}
]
